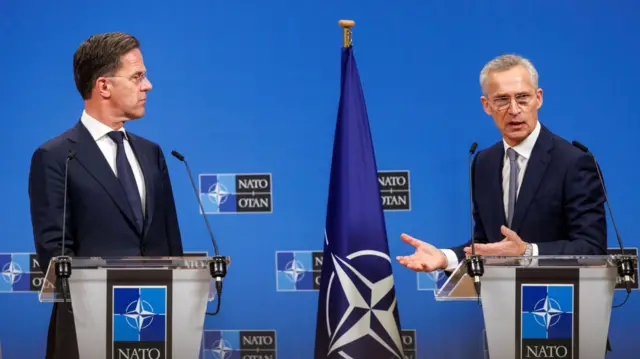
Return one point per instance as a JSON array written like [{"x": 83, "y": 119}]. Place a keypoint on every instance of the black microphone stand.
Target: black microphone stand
[
  {"x": 63, "y": 262},
  {"x": 475, "y": 265},
  {"x": 218, "y": 265},
  {"x": 624, "y": 262}
]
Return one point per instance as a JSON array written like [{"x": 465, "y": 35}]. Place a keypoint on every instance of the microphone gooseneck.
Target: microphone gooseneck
[
  {"x": 63, "y": 262},
  {"x": 218, "y": 265},
  {"x": 625, "y": 265},
  {"x": 475, "y": 266}
]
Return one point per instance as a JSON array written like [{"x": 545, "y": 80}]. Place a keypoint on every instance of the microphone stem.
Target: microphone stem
[
  {"x": 195, "y": 190},
  {"x": 218, "y": 265},
  {"x": 625, "y": 265},
  {"x": 473, "y": 247},
  {"x": 606, "y": 199},
  {"x": 64, "y": 204}
]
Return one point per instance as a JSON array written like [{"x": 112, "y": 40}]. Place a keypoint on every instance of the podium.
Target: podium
[
  {"x": 543, "y": 306},
  {"x": 135, "y": 307}
]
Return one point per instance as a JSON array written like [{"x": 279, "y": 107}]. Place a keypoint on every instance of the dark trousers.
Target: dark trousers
[{"x": 61, "y": 338}]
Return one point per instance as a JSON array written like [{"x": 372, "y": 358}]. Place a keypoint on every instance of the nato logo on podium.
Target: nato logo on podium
[
  {"x": 547, "y": 320},
  {"x": 139, "y": 322}
]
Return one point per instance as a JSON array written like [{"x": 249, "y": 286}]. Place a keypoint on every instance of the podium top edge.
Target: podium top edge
[
  {"x": 136, "y": 261},
  {"x": 562, "y": 257},
  {"x": 142, "y": 258}
]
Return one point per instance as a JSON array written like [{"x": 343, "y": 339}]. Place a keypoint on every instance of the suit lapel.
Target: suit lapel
[
  {"x": 535, "y": 171},
  {"x": 88, "y": 154},
  {"x": 148, "y": 172}
]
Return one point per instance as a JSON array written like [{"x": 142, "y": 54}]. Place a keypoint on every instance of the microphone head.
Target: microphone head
[
  {"x": 71, "y": 155},
  {"x": 474, "y": 147},
  {"x": 177, "y": 155},
  {"x": 580, "y": 146}
]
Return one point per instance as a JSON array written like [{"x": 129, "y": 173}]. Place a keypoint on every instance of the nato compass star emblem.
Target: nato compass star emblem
[
  {"x": 218, "y": 193},
  {"x": 294, "y": 271},
  {"x": 11, "y": 272},
  {"x": 368, "y": 312},
  {"x": 222, "y": 349},
  {"x": 547, "y": 312},
  {"x": 139, "y": 314}
]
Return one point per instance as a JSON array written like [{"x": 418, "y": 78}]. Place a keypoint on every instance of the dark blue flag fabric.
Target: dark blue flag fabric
[{"x": 357, "y": 307}]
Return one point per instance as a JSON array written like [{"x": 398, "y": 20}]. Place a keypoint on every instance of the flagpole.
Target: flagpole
[{"x": 347, "y": 25}]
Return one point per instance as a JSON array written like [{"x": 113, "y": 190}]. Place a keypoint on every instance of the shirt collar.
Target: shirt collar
[
  {"x": 96, "y": 128},
  {"x": 525, "y": 147}
]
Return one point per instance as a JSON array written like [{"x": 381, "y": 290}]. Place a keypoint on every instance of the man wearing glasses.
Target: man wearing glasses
[
  {"x": 119, "y": 195},
  {"x": 533, "y": 192}
]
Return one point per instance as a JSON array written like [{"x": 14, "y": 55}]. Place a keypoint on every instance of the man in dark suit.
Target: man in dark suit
[
  {"x": 533, "y": 192},
  {"x": 119, "y": 197}
]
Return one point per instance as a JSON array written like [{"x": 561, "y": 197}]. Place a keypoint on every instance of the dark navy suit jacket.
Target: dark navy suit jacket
[
  {"x": 99, "y": 218},
  {"x": 560, "y": 206}
]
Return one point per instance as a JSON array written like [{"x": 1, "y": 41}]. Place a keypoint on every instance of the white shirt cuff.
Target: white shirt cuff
[
  {"x": 534, "y": 252},
  {"x": 452, "y": 259}
]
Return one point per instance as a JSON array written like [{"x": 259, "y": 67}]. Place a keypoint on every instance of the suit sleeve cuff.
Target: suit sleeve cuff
[{"x": 452, "y": 259}]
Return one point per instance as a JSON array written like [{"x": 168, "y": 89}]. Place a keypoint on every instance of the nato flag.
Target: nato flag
[{"x": 357, "y": 308}]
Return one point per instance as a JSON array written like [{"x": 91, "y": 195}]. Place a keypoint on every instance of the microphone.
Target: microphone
[
  {"x": 625, "y": 265},
  {"x": 63, "y": 262},
  {"x": 475, "y": 267},
  {"x": 218, "y": 266}
]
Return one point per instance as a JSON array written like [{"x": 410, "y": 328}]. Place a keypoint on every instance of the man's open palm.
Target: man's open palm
[{"x": 426, "y": 258}]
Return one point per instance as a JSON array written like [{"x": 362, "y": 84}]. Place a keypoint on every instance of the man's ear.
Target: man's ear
[
  {"x": 539, "y": 97},
  {"x": 103, "y": 87},
  {"x": 485, "y": 105}
]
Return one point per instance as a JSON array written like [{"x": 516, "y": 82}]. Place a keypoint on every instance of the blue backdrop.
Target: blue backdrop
[{"x": 252, "y": 87}]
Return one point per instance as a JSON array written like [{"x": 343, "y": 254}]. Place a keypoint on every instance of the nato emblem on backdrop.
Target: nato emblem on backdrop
[
  {"x": 547, "y": 321},
  {"x": 139, "y": 322},
  {"x": 395, "y": 190},
  {"x": 20, "y": 273},
  {"x": 298, "y": 271},
  {"x": 238, "y": 344},
  {"x": 236, "y": 193}
]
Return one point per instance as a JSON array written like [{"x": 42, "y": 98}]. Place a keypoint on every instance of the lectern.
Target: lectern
[
  {"x": 135, "y": 307},
  {"x": 543, "y": 306}
]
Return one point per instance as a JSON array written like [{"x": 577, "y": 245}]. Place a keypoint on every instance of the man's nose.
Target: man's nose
[
  {"x": 514, "y": 108},
  {"x": 146, "y": 85}
]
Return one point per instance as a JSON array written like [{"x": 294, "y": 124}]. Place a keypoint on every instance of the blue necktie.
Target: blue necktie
[
  {"x": 126, "y": 178},
  {"x": 513, "y": 184}
]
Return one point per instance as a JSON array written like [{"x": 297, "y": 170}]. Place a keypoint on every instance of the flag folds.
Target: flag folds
[{"x": 357, "y": 307}]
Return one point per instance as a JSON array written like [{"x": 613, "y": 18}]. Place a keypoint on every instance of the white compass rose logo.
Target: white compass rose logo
[
  {"x": 547, "y": 312},
  {"x": 139, "y": 314},
  {"x": 222, "y": 349},
  {"x": 294, "y": 271},
  {"x": 11, "y": 272},
  {"x": 368, "y": 306},
  {"x": 217, "y": 193}
]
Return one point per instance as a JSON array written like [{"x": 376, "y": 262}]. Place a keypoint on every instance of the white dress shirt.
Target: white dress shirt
[
  {"x": 99, "y": 131},
  {"x": 523, "y": 150}
]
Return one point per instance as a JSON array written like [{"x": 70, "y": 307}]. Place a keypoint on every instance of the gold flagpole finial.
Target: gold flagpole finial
[{"x": 347, "y": 25}]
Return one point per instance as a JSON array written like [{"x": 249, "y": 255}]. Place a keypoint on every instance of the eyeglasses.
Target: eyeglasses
[
  {"x": 503, "y": 102},
  {"x": 137, "y": 78}
]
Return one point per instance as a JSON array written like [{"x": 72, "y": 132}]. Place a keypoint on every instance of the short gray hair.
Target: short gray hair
[{"x": 506, "y": 62}]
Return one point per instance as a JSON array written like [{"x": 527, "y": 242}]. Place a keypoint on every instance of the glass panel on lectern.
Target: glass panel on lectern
[
  {"x": 52, "y": 287},
  {"x": 459, "y": 285},
  {"x": 551, "y": 261}
]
